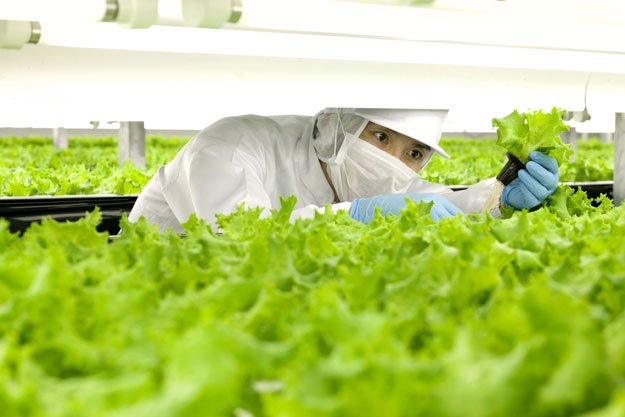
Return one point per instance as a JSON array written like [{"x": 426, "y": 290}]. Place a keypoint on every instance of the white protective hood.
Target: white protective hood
[{"x": 422, "y": 125}]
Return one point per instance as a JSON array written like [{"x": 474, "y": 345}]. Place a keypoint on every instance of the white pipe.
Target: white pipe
[
  {"x": 60, "y": 138},
  {"x": 132, "y": 143}
]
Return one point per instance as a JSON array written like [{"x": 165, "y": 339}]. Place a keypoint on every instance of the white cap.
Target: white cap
[{"x": 424, "y": 126}]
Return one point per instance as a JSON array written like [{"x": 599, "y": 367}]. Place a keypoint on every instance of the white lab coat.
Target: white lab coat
[{"x": 254, "y": 160}]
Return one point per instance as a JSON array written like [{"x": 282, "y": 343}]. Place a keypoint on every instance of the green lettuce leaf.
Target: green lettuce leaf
[{"x": 522, "y": 133}]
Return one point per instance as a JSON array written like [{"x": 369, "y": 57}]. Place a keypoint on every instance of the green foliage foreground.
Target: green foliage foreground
[{"x": 326, "y": 317}]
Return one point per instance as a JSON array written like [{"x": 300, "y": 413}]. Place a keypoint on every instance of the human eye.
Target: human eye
[
  {"x": 381, "y": 137},
  {"x": 416, "y": 154}
]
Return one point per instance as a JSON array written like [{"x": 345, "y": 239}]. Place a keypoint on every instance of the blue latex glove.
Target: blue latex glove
[
  {"x": 363, "y": 209},
  {"x": 534, "y": 184}
]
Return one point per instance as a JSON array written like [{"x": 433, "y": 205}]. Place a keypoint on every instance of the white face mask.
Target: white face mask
[{"x": 363, "y": 170}]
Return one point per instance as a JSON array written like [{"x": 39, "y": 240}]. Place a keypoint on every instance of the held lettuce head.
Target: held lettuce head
[{"x": 522, "y": 133}]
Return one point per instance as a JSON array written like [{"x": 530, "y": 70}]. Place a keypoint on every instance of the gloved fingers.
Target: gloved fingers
[
  {"x": 546, "y": 161},
  {"x": 531, "y": 201},
  {"x": 518, "y": 197},
  {"x": 542, "y": 175},
  {"x": 434, "y": 214},
  {"x": 439, "y": 211},
  {"x": 416, "y": 197},
  {"x": 450, "y": 207},
  {"x": 388, "y": 205},
  {"x": 353, "y": 210},
  {"x": 532, "y": 186}
]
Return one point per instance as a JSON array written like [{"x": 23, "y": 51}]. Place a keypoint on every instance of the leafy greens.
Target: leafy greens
[
  {"x": 323, "y": 317},
  {"x": 522, "y": 133}
]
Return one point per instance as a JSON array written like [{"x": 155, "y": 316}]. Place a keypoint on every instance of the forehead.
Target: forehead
[{"x": 371, "y": 126}]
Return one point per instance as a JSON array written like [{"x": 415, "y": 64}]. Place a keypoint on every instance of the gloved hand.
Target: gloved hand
[
  {"x": 363, "y": 209},
  {"x": 534, "y": 184}
]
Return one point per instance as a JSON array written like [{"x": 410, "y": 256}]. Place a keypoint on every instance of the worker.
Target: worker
[{"x": 351, "y": 159}]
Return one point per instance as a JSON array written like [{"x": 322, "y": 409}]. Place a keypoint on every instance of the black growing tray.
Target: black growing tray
[{"x": 22, "y": 211}]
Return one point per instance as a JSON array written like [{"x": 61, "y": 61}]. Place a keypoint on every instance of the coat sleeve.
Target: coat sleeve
[
  {"x": 215, "y": 181},
  {"x": 478, "y": 198}
]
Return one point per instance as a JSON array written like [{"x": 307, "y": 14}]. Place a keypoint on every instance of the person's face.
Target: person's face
[{"x": 409, "y": 151}]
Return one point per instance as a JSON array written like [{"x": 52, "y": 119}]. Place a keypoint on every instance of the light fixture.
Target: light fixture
[
  {"x": 211, "y": 13},
  {"x": 133, "y": 13},
  {"x": 111, "y": 11},
  {"x": 129, "y": 13},
  {"x": 57, "y": 10},
  {"x": 16, "y": 33}
]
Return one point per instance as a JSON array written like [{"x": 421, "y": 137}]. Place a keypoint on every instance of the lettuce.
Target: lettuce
[
  {"x": 522, "y": 133},
  {"x": 32, "y": 166},
  {"x": 321, "y": 317},
  {"x": 474, "y": 160}
]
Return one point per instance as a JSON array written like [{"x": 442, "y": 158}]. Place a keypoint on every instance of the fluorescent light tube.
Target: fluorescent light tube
[
  {"x": 129, "y": 13},
  {"x": 16, "y": 33}
]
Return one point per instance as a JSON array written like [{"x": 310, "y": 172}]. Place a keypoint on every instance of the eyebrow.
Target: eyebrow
[
  {"x": 417, "y": 144},
  {"x": 421, "y": 145}
]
